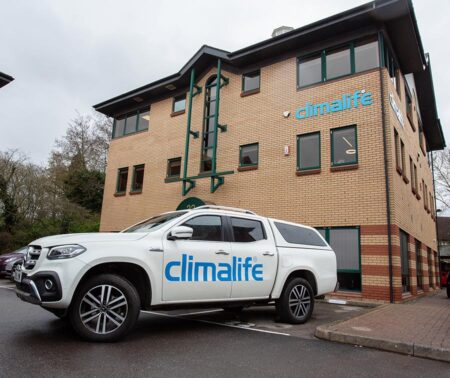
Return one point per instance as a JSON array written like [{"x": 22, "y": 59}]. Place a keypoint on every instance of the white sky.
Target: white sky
[{"x": 69, "y": 55}]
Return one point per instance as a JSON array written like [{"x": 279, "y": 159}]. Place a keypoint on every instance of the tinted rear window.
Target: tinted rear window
[{"x": 299, "y": 235}]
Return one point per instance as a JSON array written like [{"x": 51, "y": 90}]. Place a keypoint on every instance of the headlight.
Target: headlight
[{"x": 65, "y": 251}]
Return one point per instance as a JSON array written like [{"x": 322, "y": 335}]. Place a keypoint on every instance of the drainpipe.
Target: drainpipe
[{"x": 386, "y": 170}]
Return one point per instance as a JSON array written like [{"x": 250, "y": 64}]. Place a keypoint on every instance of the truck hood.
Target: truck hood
[{"x": 51, "y": 241}]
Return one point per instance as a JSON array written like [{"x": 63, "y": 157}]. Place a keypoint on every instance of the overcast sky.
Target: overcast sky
[{"x": 69, "y": 55}]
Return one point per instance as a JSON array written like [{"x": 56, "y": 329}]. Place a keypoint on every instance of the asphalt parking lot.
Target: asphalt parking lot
[{"x": 192, "y": 343}]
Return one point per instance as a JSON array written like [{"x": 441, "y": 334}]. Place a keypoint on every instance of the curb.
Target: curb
[{"x": 424, "y": 351}]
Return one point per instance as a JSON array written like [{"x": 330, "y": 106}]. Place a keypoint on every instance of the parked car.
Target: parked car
[
  {"x": 9, "y": 261},
  {"x": 209, "y": 256}
]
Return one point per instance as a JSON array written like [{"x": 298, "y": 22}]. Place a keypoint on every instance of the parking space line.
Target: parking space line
[
  {"x": 216, "y": 323},
  {"x": 7, "y": 287}
]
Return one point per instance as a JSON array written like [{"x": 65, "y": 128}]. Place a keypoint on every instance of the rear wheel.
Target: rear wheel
[
  {"x": 296, "y": 303},
  {"x": 105, "y": 308}
]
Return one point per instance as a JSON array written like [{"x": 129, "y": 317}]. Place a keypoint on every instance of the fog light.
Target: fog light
[{"x": 48, "y": 284}]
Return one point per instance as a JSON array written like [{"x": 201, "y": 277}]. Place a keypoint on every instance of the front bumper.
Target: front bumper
[{"x": 33, "y": 289}]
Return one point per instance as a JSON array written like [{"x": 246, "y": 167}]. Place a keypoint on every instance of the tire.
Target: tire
[
  {"x": 296, "y": 303},
  {"x": 105, "y": 308}
]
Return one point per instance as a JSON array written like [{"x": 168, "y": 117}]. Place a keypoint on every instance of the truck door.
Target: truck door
[
  {"x": 196, "y": 269},
  {"x": 254, "y": 256}
]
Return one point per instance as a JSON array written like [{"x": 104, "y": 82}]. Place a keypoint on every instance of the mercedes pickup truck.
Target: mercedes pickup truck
[{"x": 210, "y": 256}]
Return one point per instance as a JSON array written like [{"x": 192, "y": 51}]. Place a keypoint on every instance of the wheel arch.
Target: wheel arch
[{"x": 305, "y": 274}]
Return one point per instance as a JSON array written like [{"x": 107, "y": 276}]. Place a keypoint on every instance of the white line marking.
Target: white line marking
[
  {"x": 7, "y": 287},
  {"x": 220, "y": 324}
]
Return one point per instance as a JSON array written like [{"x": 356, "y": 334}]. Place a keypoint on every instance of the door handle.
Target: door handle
[
  {"x": 267, "y": 253},
  {"x": 222, "y": 252}
]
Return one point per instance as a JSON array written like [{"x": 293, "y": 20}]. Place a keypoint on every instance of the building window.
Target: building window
[
  {"x": 338, "y": 63},
  {"x": 330, "y": 64},
  {"x": 248, "y": 155},
  {"x": 251, "y": 82},
  {"x": 138, "y": 178},
  {"x": 174, "y": 168},
  {"x": 415, "y": 180},
  {"x": 402, "y": 158},
  {"x": 421, "y": 139},
  {"x": 179, "y": 104},
  {"x": 344, "y": 148},
  {"x": 398, "y": 159},
  {"x": 430, "y": 267},
  {"x": 413, "y": 177},
  {"x": 404, "y": 261},
  {"x": 122, "y": 178},
  {"x": 209, "y": 125},
  {"x": 131, "y": 123},
  {"x": 308, "y": 151},
  {"x": 424, "y": 194},
  {"x": 409, "y": 105},
  {"x": 392, "y": 67},
  {"x": 346, "y": 243},
  {"x": 419, "y": 273}
]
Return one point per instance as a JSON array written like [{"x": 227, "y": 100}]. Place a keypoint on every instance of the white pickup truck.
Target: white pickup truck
[{"x": 209, "y": 256}]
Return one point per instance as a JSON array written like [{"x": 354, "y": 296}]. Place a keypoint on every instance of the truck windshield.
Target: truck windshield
[{"x": 154, "y": 223}]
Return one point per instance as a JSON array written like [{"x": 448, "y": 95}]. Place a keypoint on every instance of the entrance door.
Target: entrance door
[{"x": 192, "y": 267}]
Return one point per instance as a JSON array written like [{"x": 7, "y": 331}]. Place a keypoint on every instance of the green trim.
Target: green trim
[
  {"x": 243, "y": 90},
  {"x": 135, "y": 168},
  {"x": 257, "y": 155},
  {"x": 333, "y": 164},
  {"x": 298, "y": 151},
  {"x": 119, "y": 171},
  {"x": 169, "y": 176},
  {"x": 381, "y": 49},
  {"x": 114, "y": 129},
  {"x": 203, "y": 175}
]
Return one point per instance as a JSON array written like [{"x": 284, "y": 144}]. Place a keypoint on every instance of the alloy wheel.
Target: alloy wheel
[{"x": 299, "y": 301}]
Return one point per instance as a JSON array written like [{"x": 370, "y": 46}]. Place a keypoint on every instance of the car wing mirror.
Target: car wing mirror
[{"x": 180, "y": 232}]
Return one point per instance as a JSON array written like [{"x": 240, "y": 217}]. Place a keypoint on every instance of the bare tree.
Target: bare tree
[{"x": 441, "y": 165}]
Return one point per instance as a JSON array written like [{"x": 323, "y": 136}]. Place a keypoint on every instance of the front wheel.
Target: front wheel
[
  {"x": 296, "y": 303},
  {"x": 105, "y": 308}
]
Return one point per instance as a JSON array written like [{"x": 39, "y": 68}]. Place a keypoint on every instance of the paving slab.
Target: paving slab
[{"x": 420, "y": 328}]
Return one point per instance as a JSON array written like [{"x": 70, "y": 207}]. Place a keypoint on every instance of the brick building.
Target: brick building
[{"x": 331, "y": 125}]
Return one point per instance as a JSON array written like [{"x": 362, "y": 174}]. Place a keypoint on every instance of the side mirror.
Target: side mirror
[{"x": 180, "y": 232}]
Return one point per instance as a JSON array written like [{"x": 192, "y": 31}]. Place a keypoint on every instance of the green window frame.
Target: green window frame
[
  {"x": 300, "y": 166},
  {"x": 251, "y": 74},
  {"x": 333, "y": 148},
  {"x": 242, "y": 149},
  {"x": 325, "y": 232},
  {"x": 135, "y": 186},
  {"x": 325, "y": 54},
  {"x": 135, "y": 119},
  {"x": 177, "y": 100},
  {"x": 122, "y": 172},
  {"x": 169, "y": 165}
]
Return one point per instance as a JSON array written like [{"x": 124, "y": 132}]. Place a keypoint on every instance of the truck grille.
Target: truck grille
[{"x": 33, "y": 253}]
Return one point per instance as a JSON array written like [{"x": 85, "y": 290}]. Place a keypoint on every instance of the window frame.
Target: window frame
[
  {"x": 168, "y": 176},
  {"x": 356, "y": 162},
  {"x": 250, "y": 91},
  {"x": 231, "y": 231},
  {"x": 397, "y": 151},
  {"x": 133, "y": 181},
  {"x": 241, "y": 147},
  {"x": 175, "y": 99},
  {"x": 299, "y": 150},
  {"x": 119, "y": 172},
  {"x": 126, "y": 116}
]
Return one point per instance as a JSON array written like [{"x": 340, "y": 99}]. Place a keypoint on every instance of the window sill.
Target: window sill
[
  {"x": 410, "y": 118},
  {"x": 129, "y": 134},
  {"x": 119, "y": 194},
  {"x": 413, "y": 191},
  {"x": 423, "y": 151},
  {"x": 307, "y": 172},
  {"x": 133, "y": 192},
  {"x": 249, "y": 93},
  {"x": 348, "y": 167},
  {"x": 180, "y": 112},
  {"x": 399, "y": 170},
  {"x": 172, "y": 179},
  {"x": 248, "y": 168},
  {"x": 405, "y": 179},
  {"x": 418, "y": 196}
]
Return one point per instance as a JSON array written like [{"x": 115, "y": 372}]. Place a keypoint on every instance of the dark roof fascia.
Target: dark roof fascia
[{"x": 5, "y": 79}]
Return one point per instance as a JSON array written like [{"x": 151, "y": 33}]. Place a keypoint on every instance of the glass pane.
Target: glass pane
[
  {"x": 130, "y": 126},
  {"x": 310, "y": 71},
  {"x": 138, "y": 178},
  {"x": 404, "y": 260},
  {"x": 119, "y": 127},
  {"x": 344, "y": 146},
  {"x": 209, "y": 122},
  {"x": 208, "y": 227},
  {"x": 212, "y": 93},
  {"x": 345, "y": 243},
  {"x": 251, "y": 81},
  {"x": 206, "y": 165},
  {"x": 144, "y": 120},
  {"x": 179, "y": 104},
  {"x": 249, "y": 155},
  {"x": 338, "y": 63},
  {"x": 247, "y": 230},
  {"x": 349, "y": 281},
  {"x": 208, "y": 140},
  {"x": 366, "y": 56},
  {"x": 309, "y": 151},
  {"x": 299, "y": 235},
  {"x": 174, "y": 168},
  {"x": 122, "y": 181}
]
